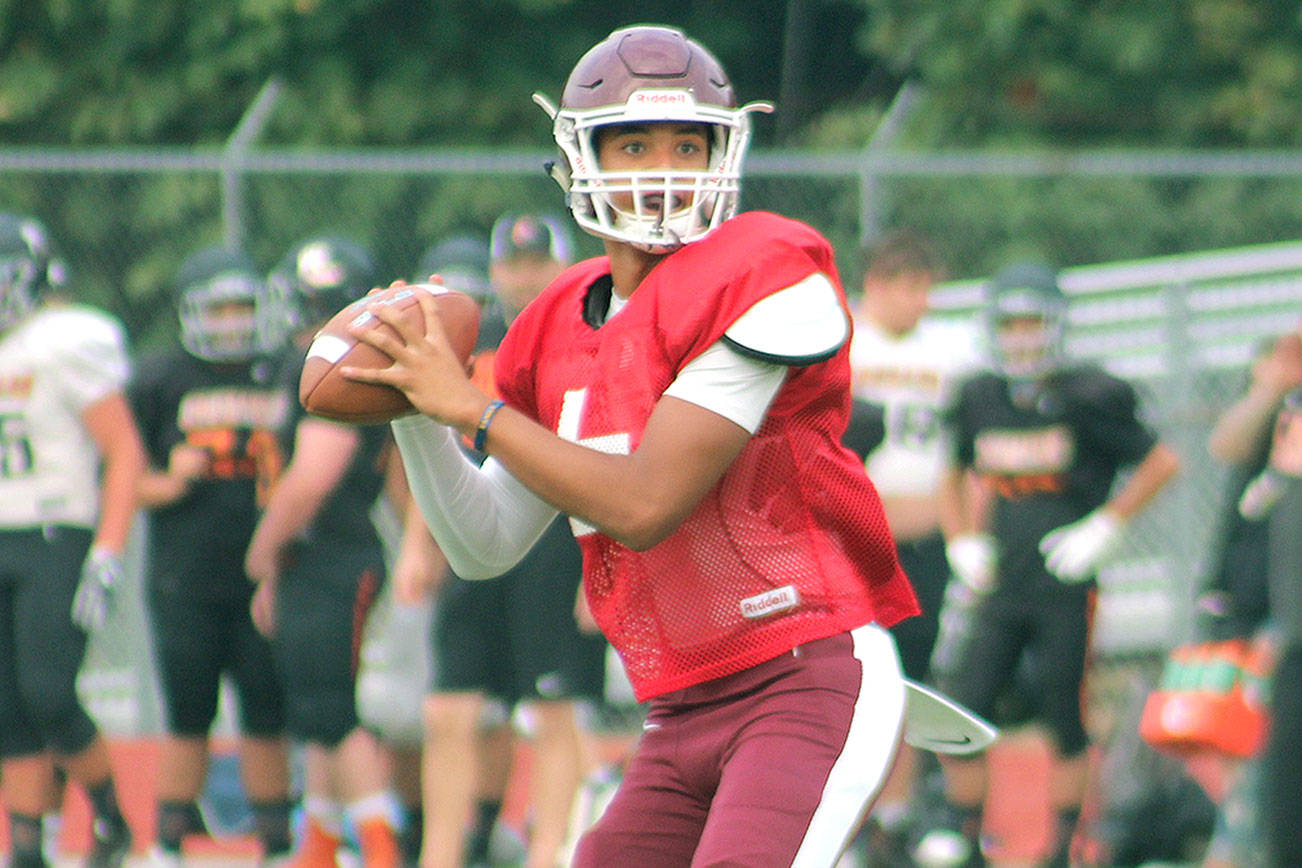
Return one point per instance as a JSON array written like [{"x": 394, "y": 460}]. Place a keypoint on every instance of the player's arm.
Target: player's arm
[
  {"x": 637, "y": 499},
  {"x": 113, "y": 429},
  {"x": 95, "y": 370},
  {"x": 1242, "y": 427},
  {"x": 395, "y": 489},
  {"x": 420, "y": 567},
  {"x": 485, "y": 521},
  {"x": 962, "y": 504},
  {"x": 322, "y": 453},
  {"x": 963, "y": 510},
  {"x": 162, "y": 486},
  {"x": 1150, "y": 476}
]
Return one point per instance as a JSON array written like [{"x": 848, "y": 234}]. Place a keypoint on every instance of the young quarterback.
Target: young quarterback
[{"x": 682, "y": 400}]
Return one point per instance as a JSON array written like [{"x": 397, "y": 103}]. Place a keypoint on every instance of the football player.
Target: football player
[
  {"x": 317, "y": 559},
  {"x": 682, "y": 399},
  {"x": 210, "y": 412},
  {"x": 907, "y": 365},
  {"x": 1236, "y": 603},
  {"x": 1256, "y": 580},
  {"x": 513, "y": 640},
  {"x": 70, "y": 457},
  {"x": 1048, "y": 437}
]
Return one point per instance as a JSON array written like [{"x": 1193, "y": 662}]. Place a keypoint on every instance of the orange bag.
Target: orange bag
[{"x": 1210, "y": 698}]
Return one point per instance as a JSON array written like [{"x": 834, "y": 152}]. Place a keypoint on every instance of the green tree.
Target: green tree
[
  {"x": 1061, "y": 75},
  {"x": 352, "y": 74},
  {"x": 1080, "y": 72}
]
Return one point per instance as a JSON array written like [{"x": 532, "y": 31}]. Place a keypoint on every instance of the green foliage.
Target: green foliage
[
  {"x": 396, "y": 74},
  {"x": 1150, "y": 72}
]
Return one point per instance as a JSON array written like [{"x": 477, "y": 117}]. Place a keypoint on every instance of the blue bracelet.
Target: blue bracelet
[{"x": 481, "y": 432}]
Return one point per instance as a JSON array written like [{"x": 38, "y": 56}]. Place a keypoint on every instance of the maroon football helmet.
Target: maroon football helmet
[{"x": 647, "y": 74}]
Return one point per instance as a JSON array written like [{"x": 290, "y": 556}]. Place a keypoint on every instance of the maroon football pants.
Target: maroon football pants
[{"x": 772, "y": 766}]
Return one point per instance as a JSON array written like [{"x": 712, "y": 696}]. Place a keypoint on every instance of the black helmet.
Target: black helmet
[
  {"x": 1027, "y": 291},
  {"x": 320, "y": 275},
  {"x": 462, "y": 262},
  {"x": 221, "y": 301},
  {"x": 28, "y": 266}
]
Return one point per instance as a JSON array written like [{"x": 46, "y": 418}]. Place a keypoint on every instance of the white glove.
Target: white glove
[
  {"x": 94, "y": 597},
  {"x": 972, "y": 558},
  {"x": 1073, "y": 552},
  {"x": 1262, "y": 493}
]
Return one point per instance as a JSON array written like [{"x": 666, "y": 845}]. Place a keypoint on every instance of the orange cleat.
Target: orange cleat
[
  {"x": 379, "y": 844},
  {"x": 318, "y": 848}
]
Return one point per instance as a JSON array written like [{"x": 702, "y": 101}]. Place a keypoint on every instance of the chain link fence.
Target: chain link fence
[{"x": 1179, "y": 322}]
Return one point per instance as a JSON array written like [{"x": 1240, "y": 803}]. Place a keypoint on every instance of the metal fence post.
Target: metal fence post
[
  {"x": 1188, "y": 437},
  {"x": 232, "y": 170},
  {"x": 870, "y": 206}
]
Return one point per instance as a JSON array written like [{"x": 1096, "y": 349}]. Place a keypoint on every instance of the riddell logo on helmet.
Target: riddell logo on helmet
[
  {"x": 765, "y": 604},
  {"x": 660, "y": 97}
]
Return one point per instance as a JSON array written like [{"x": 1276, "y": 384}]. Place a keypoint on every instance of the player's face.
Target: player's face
[
  {"x": 231, "y": 325},
  {"x": 899, "y": 301},
  {"x": 517, "y": 280},
  {"x": 1024, "y": 343},
  {"x": 653, "y": 147}
]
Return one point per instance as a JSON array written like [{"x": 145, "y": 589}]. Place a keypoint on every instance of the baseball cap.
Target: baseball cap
[
  {"x": 462, "y": 261},
  {"x": 516, "y": 235}
]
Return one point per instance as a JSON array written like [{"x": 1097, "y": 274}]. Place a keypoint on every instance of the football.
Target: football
[{"x": 325, "y": 392}]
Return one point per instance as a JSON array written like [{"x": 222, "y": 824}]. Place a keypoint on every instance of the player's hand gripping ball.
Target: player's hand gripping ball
[{"x": 325, "y": 392}]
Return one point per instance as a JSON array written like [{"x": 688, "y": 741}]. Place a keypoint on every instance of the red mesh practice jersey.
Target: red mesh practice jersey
[{"x": 791, "y": 545}]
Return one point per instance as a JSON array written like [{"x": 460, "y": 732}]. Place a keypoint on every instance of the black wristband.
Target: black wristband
[{"x": 481, "y": 431}]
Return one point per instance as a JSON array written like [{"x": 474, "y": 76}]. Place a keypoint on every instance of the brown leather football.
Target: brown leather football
[{"x": 324, "y": 392}]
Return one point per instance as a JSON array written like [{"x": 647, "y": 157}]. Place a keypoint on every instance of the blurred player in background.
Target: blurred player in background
[
  {"x": 1048, "y": 437},
  {"x": 1272, "y": 409},
  {"x": 682, "y": 399},
  {"x": 1236, "y": 601},
  {"x": 319, "y": 564},
  {"x": 461, "y": 263},
  {"x": 906, "y": 367},
  {"x": 210, "y": 412},
  {"x": 69, "y": 466},
  {"x": 512, "y": 640}
]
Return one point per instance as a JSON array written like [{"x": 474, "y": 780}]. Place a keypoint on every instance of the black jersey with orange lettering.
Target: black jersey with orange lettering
[
  {"x": 234, "y": 412},
  {"x": 1050, "y": 451}
]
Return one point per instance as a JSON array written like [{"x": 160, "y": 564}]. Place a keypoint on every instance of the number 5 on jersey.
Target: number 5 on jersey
[{"x": 568, "y": 427}]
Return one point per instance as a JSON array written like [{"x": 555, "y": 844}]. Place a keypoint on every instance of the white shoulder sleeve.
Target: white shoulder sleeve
[
  {"x": 799, "y": 325},
  {"x": 738, "y": 387},
  {"x": 483, "y": 519}
]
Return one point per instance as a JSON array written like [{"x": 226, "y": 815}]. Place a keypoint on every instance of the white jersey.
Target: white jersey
[
  {"x": 53, "y": 365},
  {"x": 912, "y": 377}
]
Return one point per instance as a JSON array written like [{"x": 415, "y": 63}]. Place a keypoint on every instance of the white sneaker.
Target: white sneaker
[
  {"x": 160, "y": 858},
  {"x": 943, "y": 848},
  {"x": 51, "y": 829}
]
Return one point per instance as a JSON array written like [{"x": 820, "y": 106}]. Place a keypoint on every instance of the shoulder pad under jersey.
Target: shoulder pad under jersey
[{"x": 799, "y": 325}]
